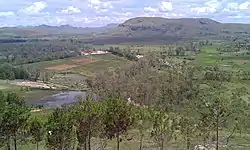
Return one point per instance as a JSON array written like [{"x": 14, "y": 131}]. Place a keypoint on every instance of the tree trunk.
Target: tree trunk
[
  {"x": 15, "y": 143},
  {"x": 162, "y": 143},
  {"x": 89, "y": 141},
  {"x": 85, "y": 143},
  {"x": 217, "y": 131},
  {"x": 82, "y": 145},
  {"x": 37, "y": 146},
  {"x": 103, "y": 143},
  {"x": 118, "y": 141},
  {"x": 188, "y": 140},
  {"x": 141, "y": 140},
  {"x": 228, "y": 138},
  {"x": 8, "y": 143}
]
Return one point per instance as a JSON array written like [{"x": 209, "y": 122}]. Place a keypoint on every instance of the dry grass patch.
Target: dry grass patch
[
  {"x": 85, "y": 60},
  {"x": 61, "y": 67}
]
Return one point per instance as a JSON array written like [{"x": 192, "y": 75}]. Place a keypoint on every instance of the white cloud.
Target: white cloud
[
  {"x": 34, "y": 8},
  {"x": 81, "y": 19},
  {"x": 245, "y": 5},
  {"x": 60, "y": 20},
  {"x": 237, "y": 6},
  {"x": 150, "y": 9},
  {"x": 166, "y": 6},
  {"x": 71, "y": 10},
  {"x": 99, "y": 12},
  {"x": 238, "y": 17},
  {"x": 213, "y": 3},
  {"x": 98, "y": 5},
  {"x": 123, "y": 14},
  {"x": 6, "y": 14},
  {"x": 200, "y": 10},
  {"x": 232, "y": 6}
]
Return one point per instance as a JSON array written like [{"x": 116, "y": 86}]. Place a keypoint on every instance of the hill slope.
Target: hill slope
[
  {"x": 46, "y": 30},
  {"x": 141, "y": 29},
  {"x": 162, "y": 29}
]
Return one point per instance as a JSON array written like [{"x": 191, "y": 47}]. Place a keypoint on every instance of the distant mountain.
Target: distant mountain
[
  {"x": 153, "y": 29},
  {"x": 47, "y": 30},
  {"x": 141, "y": 29}
]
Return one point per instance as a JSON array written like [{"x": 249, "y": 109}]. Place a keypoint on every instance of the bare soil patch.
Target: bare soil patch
[
  {"x": 85, "y": 60},
  {"x": 34, "y": 84},
  {"x": 61, "y": 67}
]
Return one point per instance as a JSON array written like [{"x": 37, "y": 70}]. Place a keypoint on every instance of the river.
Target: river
[{"x": 58, "y": 99}]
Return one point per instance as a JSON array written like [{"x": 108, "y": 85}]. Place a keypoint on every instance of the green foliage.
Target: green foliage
[
  {"x": 236, "y": 45},
  {"x": 217, "y": 74},
  {"x": 30, "y": 52},
  {"x": 164, "y": 127},
  {"x": 59, "y": 128},
  {"x": 36, "y": 130},
  {"x": 124, "y": 53},
  {"x": 14, "y": 115},
  {"x": 142, "y": 122},
  {"x": 10, "y": 72},
  {"x": 118, "y": 118},
  {"x": 88, "y": 116}
]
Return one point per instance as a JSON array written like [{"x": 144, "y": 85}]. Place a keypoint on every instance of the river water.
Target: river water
[{"x": 60, "y": 98}]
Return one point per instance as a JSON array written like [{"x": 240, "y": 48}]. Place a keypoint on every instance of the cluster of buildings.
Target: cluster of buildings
[{"x": 94, "y": 52}]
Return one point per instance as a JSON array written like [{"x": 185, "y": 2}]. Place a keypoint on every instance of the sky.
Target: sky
[{"x": 90, "y": 13}]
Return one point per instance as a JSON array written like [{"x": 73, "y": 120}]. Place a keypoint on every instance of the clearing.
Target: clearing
[
  {"x": 85, "y": 60},
  {"x": 60, "y": 67},
  {"x": 83, "y": 65}
]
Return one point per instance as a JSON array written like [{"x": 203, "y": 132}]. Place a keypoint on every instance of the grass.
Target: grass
[
  {"x": 238, "y": 142},
  {"x": 209, "y": 56},
  {"x": 103, "y": 62},
  {"x": 143, "y": 49},
  {"x": 5, "y": 85}
]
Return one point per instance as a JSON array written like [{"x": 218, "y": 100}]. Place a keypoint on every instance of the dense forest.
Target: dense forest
[
  {"x": 10, "y": 72},
  {"x": 36, "y": 51}
]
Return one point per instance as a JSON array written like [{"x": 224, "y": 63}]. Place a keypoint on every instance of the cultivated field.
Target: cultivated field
[{"x": 85, "y": 65}]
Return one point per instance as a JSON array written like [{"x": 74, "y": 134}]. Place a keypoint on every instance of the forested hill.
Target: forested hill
[
  {"x": 46, "y": 30},
  {"x": 140, "y": 29},
  {"x": 157, "y": 29}
]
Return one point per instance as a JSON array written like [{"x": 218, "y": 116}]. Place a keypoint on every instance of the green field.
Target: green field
[
  {"x": 143, "y": 49},
  {"x": 5, "y": 85},
  {"x": 100, "y": 63},
  {"x": 235, "y": 61}
]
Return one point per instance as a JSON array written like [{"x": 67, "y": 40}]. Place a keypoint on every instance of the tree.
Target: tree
[
  {"x": 142, "y": 117},
  {"x": 60, "y": 130},
  {"x": 2, "y": 106},
  {"x": 46, "y": 76},
  {"x": 88, "y": 121},
  {"x": 179, "y": 51},
  {"x": 240, "y": 112},
  {"x": 164, "y": 127},
  {"x": 216, "y": 107},
  {"x": 36, "y": 130},
  {"x": 14, "y": 116},
  {"x": 118, "y": 118}
]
